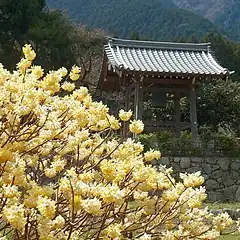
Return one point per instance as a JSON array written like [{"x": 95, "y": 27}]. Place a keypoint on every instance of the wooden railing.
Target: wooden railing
[{"x": 156, "y": 126}]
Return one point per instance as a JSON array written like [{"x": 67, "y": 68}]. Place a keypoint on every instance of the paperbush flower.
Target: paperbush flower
[
  {"x": 75, "y": 73},
  {"x": 46, "y": 207},
  {"x": 151, "y": 155},
  {"x": 63, "y": 174},
  {"x": 136, "y": 126},
  {"x": 125, "y": 116},
  {"x": 5, "y": 155},
  {"x": 63, "y": 72},
  {"x": 68, "y": 86},
  {"x": 37, "y": 71},
  {"x": 14, "y": 214},
  {"x": 23, "y": 65},
  {"x": 28, "y": 52},
  {"x": 114, "y": 231}
]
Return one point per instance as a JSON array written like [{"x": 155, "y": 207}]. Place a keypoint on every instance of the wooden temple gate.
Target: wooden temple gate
[{"x": 148, "y": 74}]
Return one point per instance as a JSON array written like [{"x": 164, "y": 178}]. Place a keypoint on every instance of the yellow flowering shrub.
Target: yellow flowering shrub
[{"x": 62, "y": 175}]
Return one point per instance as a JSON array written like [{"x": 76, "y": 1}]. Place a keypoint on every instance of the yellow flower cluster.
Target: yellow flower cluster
[
  {"x": 125, "y": 116},
  {"x": 28, "y": 52},
  {"x": 63, "y": 176},
  {"x": 68, "y": 86},
  {"x": 192, "y": 180},
  {"x": 136, "y": 126},
  {"x": 151, "y": 155},
  {"x": 75, "y": 73}
]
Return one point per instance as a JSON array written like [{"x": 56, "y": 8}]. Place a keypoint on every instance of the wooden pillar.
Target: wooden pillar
[
  {"x": 193, "y": 112},
  {"x": 124, "y": 129},
  {"x": 127, "y": 108},
  {"x": 177, "y": 116},
  {"x": 138, "y": 100}
]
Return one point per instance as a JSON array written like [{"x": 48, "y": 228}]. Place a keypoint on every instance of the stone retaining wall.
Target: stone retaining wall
[{"x": 222, "y": 175}]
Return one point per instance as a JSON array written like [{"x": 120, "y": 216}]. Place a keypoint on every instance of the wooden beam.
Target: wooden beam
[
  {"x": 166, "y": 90},
  {"x": 159, "y": 123},
  {"x": 166, "y": 126},
  {"x": 157, "y": 129},
  {"x": 183, "y": 125},
  {"x": 167, "y": 74},
  {"x": 138, "y": 101},
  {"x": 131, "y": 86},
  {"x": 168, "y": 81},
  {"x": 193, "y": 113},
  {"x": 177, "y": 116},
  {"x": 127, "y": 107}
]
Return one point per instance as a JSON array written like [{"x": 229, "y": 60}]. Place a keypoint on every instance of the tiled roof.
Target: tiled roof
[{"x": 163, "y": 57}]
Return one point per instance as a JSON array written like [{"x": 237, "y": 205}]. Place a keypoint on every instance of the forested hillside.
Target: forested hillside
[
  {"x": 210, "y": 9},
  {"x": 224, "y": 13},
  {"x": 152, "y": 19}
]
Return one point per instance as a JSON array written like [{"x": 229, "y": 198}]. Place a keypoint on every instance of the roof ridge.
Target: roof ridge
[{"x": 159, "y": 45}]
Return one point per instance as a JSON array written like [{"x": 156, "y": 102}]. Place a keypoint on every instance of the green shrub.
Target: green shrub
[{"x": 209, "y": 143}]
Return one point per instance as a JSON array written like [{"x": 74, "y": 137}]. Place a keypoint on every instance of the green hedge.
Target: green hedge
[{"x": 207, "y": 145}]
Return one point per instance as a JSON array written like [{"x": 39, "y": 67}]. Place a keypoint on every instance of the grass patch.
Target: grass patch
[
  {"x": 223, "y": 205},
  {"x": 230, "y": 238}
]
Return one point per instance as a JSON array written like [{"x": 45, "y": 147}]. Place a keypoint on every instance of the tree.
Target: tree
[
  {"x": 219, "y": 104},
  {"x": 227, "y": 52},
  {"x": 58, "y": 41},
  {"x": 51, "y": 36},
  {"x": 64, "y": 176},
  {"x": 16, "y": 17},
  {"x": 87, "y": 46},
  {"x": 135, "y": 36}
]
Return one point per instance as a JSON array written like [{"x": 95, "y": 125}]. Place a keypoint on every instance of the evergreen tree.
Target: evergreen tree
[
  {"x": 51, "y": 33},
  {"x": 135, "y": 36}
]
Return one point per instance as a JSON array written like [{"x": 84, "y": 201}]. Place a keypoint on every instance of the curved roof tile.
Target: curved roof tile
[{"x": 163, "y": 57}]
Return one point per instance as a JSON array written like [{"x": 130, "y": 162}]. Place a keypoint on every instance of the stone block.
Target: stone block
[
  {"x": 229, "y": 211},
  {"x": 207, "y": 168},
  {"x": 197, "y": 160},
  {"x": 215, "y": 167},
  {"x": 230, "y": 192},
  {"x": 228, "y": 182},
  {"x": 185, "y": 162},
  {"x": 224, "y": 163},
  {"x": 177, "y": 159},
  {"x": 165, "y": 161},
  {"x": 215, "y": 197},
  {"x": 196, "y": 165},
  {"x": 217, "y": 174},
  {"x": 193, "y": 169},
  {"x": 211, "y": 160},
  {"x": 216, "y": 211},
  {"x": 206, "y": 177},
  {"x": 237, "y": 214},
  {"x": 235, "y": 165},
  {"x": 235, "y": 175},
  {"x": 220, "y": 181},
  {"x": 155, "y": 162},
  {"x": 238, "y": 194},
  {"x": 211, "y": 184},
  {"x": 176, "y": 168}
]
